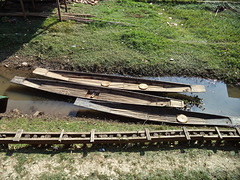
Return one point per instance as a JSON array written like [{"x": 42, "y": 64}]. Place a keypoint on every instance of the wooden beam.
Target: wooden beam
[
  {"x": 92, "y": 133},
  {"x": 147, "y": 134},
  {"x": 18, "y": 135},
  {"x": 61, "y": 135},
  {"x": 219, "y": 133},
  {"x": 186, "y": 133}
]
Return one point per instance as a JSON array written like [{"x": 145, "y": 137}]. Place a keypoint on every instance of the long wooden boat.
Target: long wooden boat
[
  {"x": 160, "y": 114},
  {"x": 96, "y": 93},
  {"x": 3, "y": 103},
  {"x": 119, "y": 82}
]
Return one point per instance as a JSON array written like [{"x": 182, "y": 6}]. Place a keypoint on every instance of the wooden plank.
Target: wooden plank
[
  {"x": 186, "y": 133},
  {"x": 18, "y": 135},
  {"x": 61, "y": 135},
  {"x": 219, "y": 133},
  {"x": 92, "y": 133},
  {"x": 147, "y": 134}
]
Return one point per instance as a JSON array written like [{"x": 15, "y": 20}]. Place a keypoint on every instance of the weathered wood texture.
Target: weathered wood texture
[
  {"x": 158, "y": 114},
  {"x": 116, "y": 137},
  {"x": 119, "y": 82},
  {"x": 96, "y": 93}
]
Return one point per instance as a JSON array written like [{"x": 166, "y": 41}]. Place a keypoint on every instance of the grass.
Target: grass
[
  {"x": 200, "y": 43},
  {"x": 205, "y": 45},
  {"x": 52, "y": 124},
  {"x": 162, "y": 161}
]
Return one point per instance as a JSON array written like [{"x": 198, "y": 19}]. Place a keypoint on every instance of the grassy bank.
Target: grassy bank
[
  {"x": 153, "y": 39},
  {"x": 162, "y": 161}
]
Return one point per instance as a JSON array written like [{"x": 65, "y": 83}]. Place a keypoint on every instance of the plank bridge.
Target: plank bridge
[{"x": 93, "y": 137}]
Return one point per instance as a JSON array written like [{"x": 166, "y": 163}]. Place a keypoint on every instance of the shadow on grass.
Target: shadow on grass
[
  {"x": 15, "y": 32},
  {"x": 86, "y": 149}
]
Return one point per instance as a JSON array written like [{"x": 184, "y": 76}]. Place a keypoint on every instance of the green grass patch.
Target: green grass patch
[{"x": 200, "y": 42}]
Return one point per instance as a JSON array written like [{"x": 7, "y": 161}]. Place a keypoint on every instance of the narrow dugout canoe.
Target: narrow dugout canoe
[
  {"x": 96, "y": 93},
  {"x": 160, "y": 114},
  {"x": 119, "y": 82},
  {"x": 3, "y": 103}
]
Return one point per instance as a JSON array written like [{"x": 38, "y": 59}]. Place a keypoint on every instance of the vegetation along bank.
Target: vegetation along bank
[{"x": 131, "y": 37}]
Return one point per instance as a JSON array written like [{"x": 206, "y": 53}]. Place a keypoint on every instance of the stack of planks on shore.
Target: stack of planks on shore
[{"x": 125, "y": 96}]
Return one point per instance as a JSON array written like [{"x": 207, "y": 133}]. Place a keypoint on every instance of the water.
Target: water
[
  {"x": 218, "y": 98},
  {"x": 28, "y": 101}
]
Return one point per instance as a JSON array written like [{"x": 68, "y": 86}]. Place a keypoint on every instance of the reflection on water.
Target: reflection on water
[
  {"x": 215, "y": 99},
  {"x": 218, "y": 98}
]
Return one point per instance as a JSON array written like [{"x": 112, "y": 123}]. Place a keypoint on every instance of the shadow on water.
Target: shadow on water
[{"x": 15, "y": 32}]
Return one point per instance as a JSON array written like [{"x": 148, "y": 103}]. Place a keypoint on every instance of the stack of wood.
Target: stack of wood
[{"x": 92, "y": 2}]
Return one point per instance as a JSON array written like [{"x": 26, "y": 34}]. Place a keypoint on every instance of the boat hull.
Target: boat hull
[
  {"x": 96, "y": 93},
  {"x": 119, "y": 82},
  {"x": 159, "y": 114}
]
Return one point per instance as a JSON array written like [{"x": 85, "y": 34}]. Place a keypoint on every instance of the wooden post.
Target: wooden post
[
  {"x": 65, "y": 3},
  {"x": 59, "y": 11},
  {"x": 33, "y": 3},
  {"x": 23, "y": 10}
]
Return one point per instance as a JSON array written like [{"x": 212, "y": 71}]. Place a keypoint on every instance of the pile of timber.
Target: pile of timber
[
  {"x": 93, "y": 137},
  {"x": 92, "y": 2}
]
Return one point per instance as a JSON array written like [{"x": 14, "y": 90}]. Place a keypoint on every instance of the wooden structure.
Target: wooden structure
[
  {"x": 93, "y": 137},
  {"x": 96, "y": 93},
  {"x": 119, "y": 82},
  {"x": 160, "y": 114},
  {"x": 3, "y": 103},
  {"x": 24, "y": 13}
]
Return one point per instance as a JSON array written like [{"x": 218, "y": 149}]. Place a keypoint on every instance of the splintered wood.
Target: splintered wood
[{"x": 92, "y": 2}]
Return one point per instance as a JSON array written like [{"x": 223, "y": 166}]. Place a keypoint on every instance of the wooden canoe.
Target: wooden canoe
[
  {"x": 3, "y": 104},
  {"x": 96, "y": 93},
  {"x": 119, "y": 82},
  {"x": 160, "y": 114}
]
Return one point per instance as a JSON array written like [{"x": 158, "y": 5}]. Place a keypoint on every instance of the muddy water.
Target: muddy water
[
  {"x": 29, "y": 101},
  {"x": 218, "y": 98}
]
